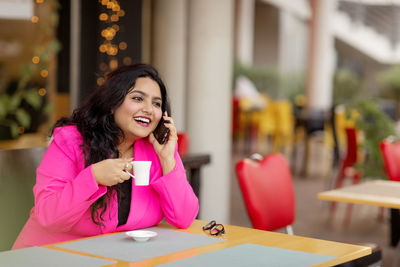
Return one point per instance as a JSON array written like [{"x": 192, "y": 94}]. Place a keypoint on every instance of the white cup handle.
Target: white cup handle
[{"x": 130, "y": 174}]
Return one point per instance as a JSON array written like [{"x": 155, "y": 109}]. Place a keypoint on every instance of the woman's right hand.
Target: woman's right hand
[{"x": 110, "y": 172}]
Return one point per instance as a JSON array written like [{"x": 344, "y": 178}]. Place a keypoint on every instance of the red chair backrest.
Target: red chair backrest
[
  {"x": 183, "y": 144},
  {"x": 268, "y": 193},
  {"x": 391, "y": 159},
  {"x": 352, "y": 147}
]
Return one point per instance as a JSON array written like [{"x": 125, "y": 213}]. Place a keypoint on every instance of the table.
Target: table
[
  {"x": 381, "y": 193},
  {"x": 328, "y": 253}
]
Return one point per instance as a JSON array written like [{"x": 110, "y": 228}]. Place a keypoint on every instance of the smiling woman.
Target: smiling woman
[
  {"x": 83, "y": 185},
  {"x": 140, "y": 112}
]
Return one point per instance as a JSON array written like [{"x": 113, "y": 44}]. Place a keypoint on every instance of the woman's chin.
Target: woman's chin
[{"x": 140, "y": 135}]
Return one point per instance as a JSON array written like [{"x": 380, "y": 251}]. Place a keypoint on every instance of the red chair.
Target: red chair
[
  {"x": 391, "y": 158},
  {"x": 183, "y": 144},
  {"x": 268, "y": 192},
  {"x": 347, "y": 170},
  {"x": 235, "y": 117}
]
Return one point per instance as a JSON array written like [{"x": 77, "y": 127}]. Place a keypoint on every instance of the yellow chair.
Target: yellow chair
[
  {"x": 248, "y": 121},
  {"x": 284, "y": 131},
  {"x": 276, "y": 123},
  {"x": 266, "y": 123}
]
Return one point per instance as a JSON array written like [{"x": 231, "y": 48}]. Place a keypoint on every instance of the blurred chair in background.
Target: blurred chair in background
[
  {"x": 276, "y": 124},
  {"x": 267, "y": 124},
  {"x": 247, "y": 102},
  {"x": 183, "y": 144},
  {"x": 235, "y": 119},
  {"x": 347, "y": 170},
  {"x": 268, "y": 193},
  {"x": 349, "y": 160},
  {"x": 390, "y": 150},
  {"x": 308, "y": 124},
  {"x": 17, "y": 178},
  {"x": 284, "y": 131},
  {"x": 391, "y": 158}
]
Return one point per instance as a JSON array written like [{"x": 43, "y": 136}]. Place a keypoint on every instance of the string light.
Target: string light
[
  {"x": 35, "y": 60},
  {"x": 42, "y": 92},
  {"x": 100, "y": 81},
  {"x": 114, "y": 18},
  {"x": 122, "y": 45},
  {"x": 103, "y": 17},
  {"x": 127, "y": 60},
  {"x": 103, "y": 67},
  {"x": 44, "y": 73},
  {"x": 113, "y": 64},
  {"x": 109, "y": 47},
  {"x": 115, "y": 27},
  {"x": 35, "y": 19}
]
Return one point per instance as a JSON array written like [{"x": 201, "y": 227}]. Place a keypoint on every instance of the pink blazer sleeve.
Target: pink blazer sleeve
[
  {"x": 178, "y": 201},
  {"x": 64, "y": 188}
]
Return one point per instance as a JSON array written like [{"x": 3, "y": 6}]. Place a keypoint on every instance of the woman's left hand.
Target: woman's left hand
[{"x": 166, "y": 151}]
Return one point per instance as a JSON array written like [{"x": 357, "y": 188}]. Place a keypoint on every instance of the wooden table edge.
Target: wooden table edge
[{"x": 358, "y": 199}]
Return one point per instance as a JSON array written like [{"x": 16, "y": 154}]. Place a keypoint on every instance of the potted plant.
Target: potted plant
[
  {"x": 375, "y": 125},
  {"x": 20, "y": 107},
  {"x": 23, "y": 104}
]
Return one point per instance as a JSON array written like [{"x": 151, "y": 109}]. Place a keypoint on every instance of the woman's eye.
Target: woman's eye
[
  {"x": 137, "y": 98},
  {"x": 157, "y": 104}
]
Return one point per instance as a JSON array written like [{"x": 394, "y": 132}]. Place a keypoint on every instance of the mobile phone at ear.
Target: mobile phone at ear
[{"x": 161, "y": 132}]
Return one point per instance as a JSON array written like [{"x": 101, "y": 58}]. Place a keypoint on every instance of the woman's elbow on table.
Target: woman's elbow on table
[{"x": 184, "y": 217}]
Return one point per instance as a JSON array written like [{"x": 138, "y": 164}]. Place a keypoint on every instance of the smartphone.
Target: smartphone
[{"x": 161, "y": 132}]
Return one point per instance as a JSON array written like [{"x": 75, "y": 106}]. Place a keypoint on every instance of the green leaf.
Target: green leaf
[
  {"x": 3, "y": 106},
  {"x": 48, "y": 108},
  {"x": 23, "y": 118},
  {"x": 5, "y": 102},
  {"x": 15, "y": 101},
  {"x": 27, "y": 69},
  {"x": 14, "y": 129},
  {"x": 2, "y": 111},
  {"x": 55, "y": 46},
  {"x": 45, "y": 56},
  {"x": 33, "y": 98}
]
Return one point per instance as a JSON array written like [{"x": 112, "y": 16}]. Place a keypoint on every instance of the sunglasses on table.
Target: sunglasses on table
[{"x": 214, "y": 228}]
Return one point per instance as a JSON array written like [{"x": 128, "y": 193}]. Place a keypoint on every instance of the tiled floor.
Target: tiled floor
[{"x": 312, "y": 216}]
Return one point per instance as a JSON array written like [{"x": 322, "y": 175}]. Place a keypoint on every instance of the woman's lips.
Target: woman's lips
[{"x": 143, "y": 121}]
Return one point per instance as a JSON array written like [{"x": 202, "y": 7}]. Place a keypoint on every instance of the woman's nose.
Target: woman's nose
[{"x": 147, "y": 108}]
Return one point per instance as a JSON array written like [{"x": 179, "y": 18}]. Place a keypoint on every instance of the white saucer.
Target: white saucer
[{"x": 141, "y": 235}]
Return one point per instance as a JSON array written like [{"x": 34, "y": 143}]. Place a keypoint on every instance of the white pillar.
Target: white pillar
[
  {"x": 322, "y": 56},
  {"x": 169, "y": 52},
  {"x": 210, "y": 54},
  {"x": 74, "y": 68},
  {"x": 245, "y": 32},
  {"x": 293, "y": 42}
]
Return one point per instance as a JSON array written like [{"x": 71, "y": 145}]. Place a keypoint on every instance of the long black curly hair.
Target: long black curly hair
[{"x": 95, "y": 121}]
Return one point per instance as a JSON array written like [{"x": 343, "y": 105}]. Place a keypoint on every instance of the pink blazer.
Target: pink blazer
[{"x": 65, "y": 189}]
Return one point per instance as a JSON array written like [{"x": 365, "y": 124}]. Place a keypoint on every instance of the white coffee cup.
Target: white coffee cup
[{"x": 141, "y": 172}]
